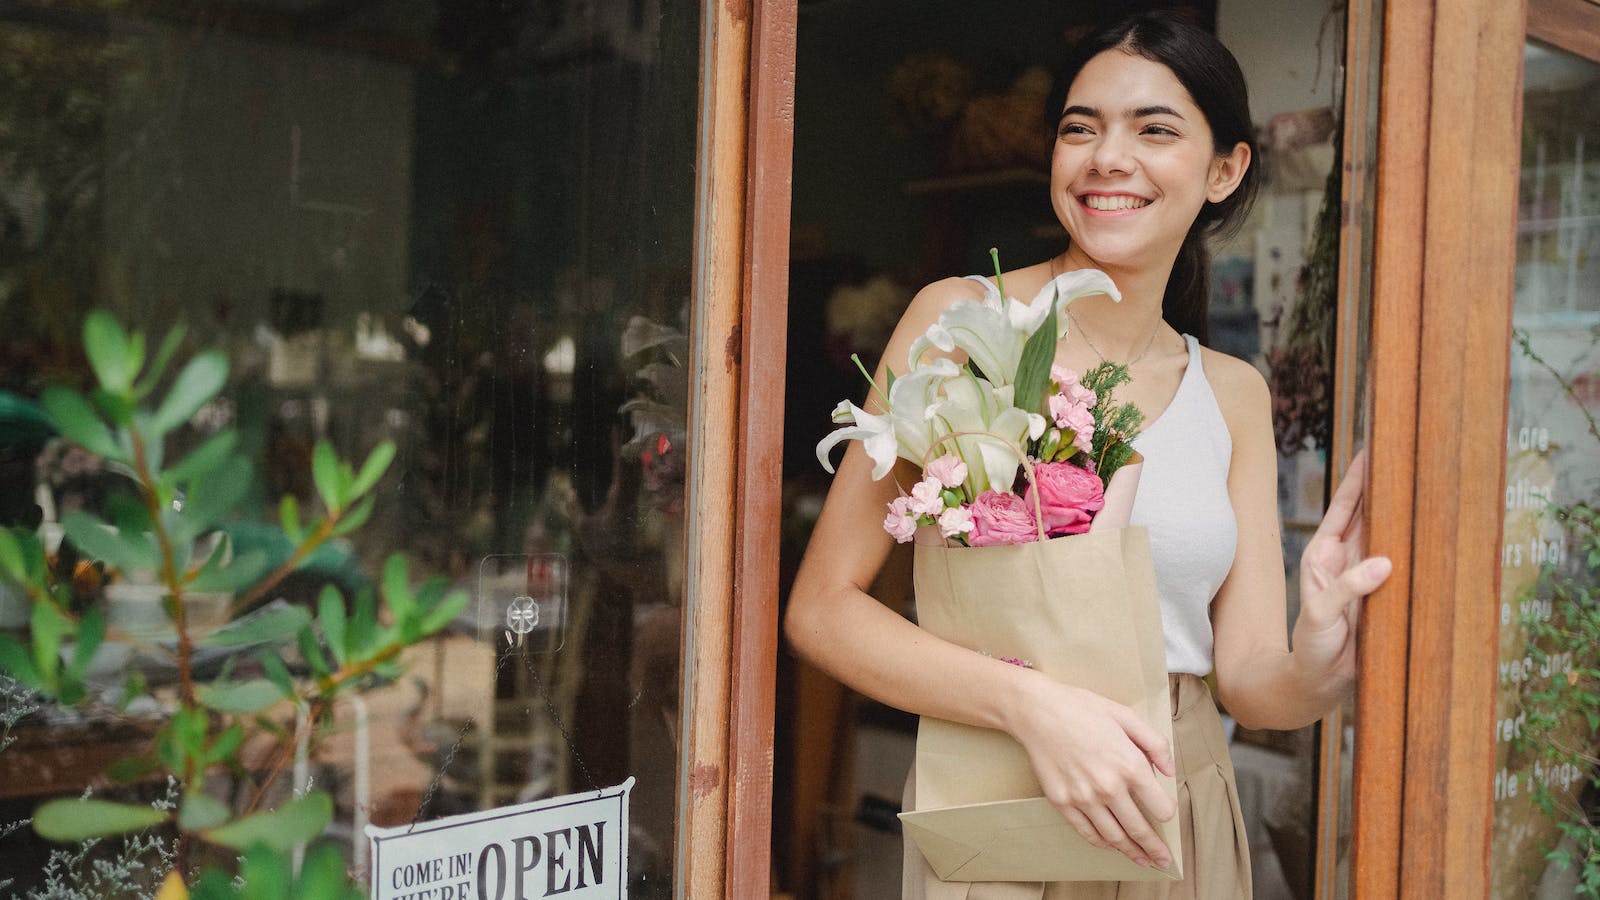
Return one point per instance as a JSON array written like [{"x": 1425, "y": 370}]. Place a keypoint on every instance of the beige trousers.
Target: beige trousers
[{"x": 1216, "y": 860}]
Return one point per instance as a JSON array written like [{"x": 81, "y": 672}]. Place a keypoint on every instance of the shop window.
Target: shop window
[{"x": 464, "y": 229}]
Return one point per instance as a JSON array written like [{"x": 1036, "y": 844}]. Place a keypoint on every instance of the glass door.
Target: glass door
[{"x": 1545, "y": 810}]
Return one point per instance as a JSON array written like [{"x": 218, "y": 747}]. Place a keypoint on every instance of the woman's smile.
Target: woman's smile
[{"x": 1101, "y": 202}]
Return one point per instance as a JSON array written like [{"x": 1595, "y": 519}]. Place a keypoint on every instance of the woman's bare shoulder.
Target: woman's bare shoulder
[
  {"x": 935, "y": 298},
  {"x": 1240, "y": 388}
]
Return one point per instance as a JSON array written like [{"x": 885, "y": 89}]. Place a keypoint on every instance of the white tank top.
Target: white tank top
[{"x": 1183, "y": 501}]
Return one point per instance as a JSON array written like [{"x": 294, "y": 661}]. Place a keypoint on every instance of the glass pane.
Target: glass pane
[
  {"x": 1545, "y": 749},
  {"x": 464, "y": 229}
]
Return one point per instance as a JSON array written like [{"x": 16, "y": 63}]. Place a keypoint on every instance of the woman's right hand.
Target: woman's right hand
[{"x": 1093, "y": 758}]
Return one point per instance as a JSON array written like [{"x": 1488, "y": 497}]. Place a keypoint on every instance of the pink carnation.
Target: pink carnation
[
  {"x": 948, "y": 470},
  {"x": 1075, "y": 416},
  {"x": 1069, "y": 496},
  {"x": 900, "y": 524},
  {"x": 955, "y": 520},
  {"x": 1000, "y": 517},
  {"x": 927, "y": 498}
]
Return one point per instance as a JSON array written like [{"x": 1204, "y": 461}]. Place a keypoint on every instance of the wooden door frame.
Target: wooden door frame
[
  {"x": 1448, "y": 154},
  {"x": 735, "y": 481}
]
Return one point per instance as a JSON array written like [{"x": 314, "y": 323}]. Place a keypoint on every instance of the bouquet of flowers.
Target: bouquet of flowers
[
  {"x": 1028, "y": 475},
  {"x": 1011, "y": 447}
]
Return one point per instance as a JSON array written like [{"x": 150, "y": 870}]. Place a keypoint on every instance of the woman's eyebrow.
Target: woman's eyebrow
[{"x": 1138, "y": 112}]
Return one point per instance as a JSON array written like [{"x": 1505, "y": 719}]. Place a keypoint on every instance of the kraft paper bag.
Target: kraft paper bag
[{"x": 1081, "y": 609}]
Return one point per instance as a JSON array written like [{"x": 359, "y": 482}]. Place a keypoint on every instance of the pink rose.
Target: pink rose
[
  {"x": 1069, "y": 496},
  {"x": 900, "y": 524},
  {"x": 1001, "y": 518},
  {"x": 948, "y": 470}
]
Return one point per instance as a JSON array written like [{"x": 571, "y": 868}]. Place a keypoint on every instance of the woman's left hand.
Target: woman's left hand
[{"x": 1334, "y": 579}]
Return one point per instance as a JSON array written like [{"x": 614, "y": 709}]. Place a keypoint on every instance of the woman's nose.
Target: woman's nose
[{"x": 1113, "y": 154}]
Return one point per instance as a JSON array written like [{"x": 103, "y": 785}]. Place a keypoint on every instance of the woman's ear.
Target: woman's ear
[{"x": 1227, "y": 171}]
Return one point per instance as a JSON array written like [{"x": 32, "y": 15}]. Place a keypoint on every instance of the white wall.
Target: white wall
[{"x": 1276, "y": 41}]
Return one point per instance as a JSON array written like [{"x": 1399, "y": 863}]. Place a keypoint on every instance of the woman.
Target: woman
[{"x": 1154, "y": 154}]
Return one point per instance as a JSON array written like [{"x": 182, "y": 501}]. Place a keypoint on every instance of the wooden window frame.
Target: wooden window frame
[
  {"x": 1448, "y": 153},
  {"x": 740, "y": 290}
]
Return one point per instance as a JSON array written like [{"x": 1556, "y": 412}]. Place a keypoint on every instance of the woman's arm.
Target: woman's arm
[
  {"x": 1260, "y": 681},
  {"x": 1092, "y": 756}
]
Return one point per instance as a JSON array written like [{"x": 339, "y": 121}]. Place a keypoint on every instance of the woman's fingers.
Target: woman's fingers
[
  {"x": 1156, "y": 748},
  {"x": 1141, "y": 835},
  {"x": 1346, "y": 501}
]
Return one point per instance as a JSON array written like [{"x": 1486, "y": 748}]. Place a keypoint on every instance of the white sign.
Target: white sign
[{"x": 574, "y": 847}]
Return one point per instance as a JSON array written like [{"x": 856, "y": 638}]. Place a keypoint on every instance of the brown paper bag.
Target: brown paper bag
[{"x": 1081, "y": 609}]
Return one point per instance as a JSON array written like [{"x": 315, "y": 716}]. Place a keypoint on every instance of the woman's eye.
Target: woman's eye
[
  {"x": 1160, "y": 131},
  {"x": 1074, "y": 128}
]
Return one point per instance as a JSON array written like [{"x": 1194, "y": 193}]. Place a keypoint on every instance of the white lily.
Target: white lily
[
  {"x": 989, "y": 431},
  {"x": 993, "y": 332},
  {"x": 905, "y": 430}
]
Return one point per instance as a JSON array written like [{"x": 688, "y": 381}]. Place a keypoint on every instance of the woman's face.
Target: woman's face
[{"x": 1134, "y": 163}]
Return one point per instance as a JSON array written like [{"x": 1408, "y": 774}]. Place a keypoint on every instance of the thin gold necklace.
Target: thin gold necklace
[{"x": 1079, "y": 325}]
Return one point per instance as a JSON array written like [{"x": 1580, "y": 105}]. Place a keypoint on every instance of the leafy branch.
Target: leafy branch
[{"x": 173, "y": 529}]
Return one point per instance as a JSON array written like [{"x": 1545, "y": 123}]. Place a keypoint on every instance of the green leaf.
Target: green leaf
[
  {"x": 377, "y": 463},
  {"x": 445, "y": 612},
  {"x": 266, "y": 875},
  {"x": 201, "y": 811},
  {"x": 91, "y": 631},
  {"x": 118, "y": 410},
  {"x": 226, "y": 744},
  {"x": 289, "y": 518},
  {"x": 79, "y": 423},
  {"x": 199, "y": 381},
  {"x": 16, "y": 662},
  {"x": 124, "y": 550},
  {"x": 49, "y": 626},
  {"x": 325, "y": 473},
  {"x": 330, "y": 613},
  {"x": 323, "y": 876},
  {"x": 313, "y": 653},
  {"x": 132, "y": 768},
  {"x": 189, "y": 728},
  {"x": 275, "y": 623},
  {"x": 239, "y": 697},
  {"x": 158, "y": 364},
  {"x": 1033, "y": 368},
  {"x": 215, "y": 884},
  {"x": 244, "y": 570},
  {"x": 363, "y": 629},
  {"x": 204, "y": 459},
  {"x": 212, "y": 498},
  {"x": 77, "y": 820},
  {"x": 355, "y": 518},
  {"x": 277, "y": 673},
  {"x": 296, "y": 822},
  {"x": 12, "y": 564},
  {"x": 106, "y": 345},
  {"x": 396, "y": 587}
]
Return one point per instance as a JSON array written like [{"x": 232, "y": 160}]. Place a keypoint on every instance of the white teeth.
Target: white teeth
[{"x": 1121, "y": 201}]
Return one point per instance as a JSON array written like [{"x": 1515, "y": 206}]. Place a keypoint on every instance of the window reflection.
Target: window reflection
[{"x": 465, "y": 228}]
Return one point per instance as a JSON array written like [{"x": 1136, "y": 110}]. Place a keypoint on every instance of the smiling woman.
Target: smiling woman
[{"x": 1153, "y": 157}]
